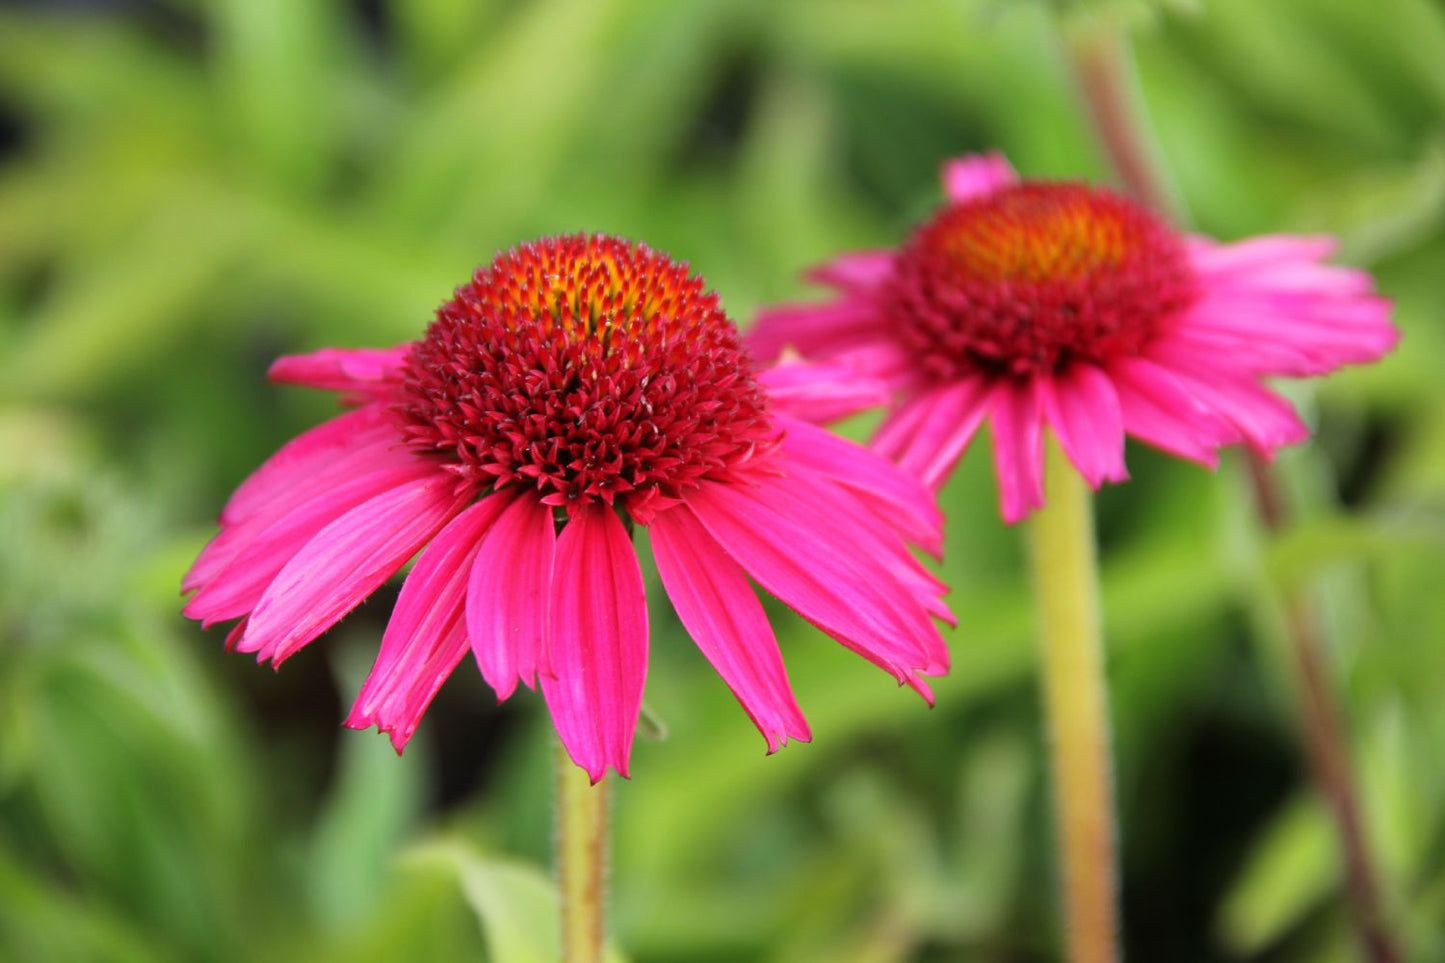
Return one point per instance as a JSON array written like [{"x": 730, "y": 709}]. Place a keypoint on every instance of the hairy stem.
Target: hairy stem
[
  {"x": 1066, "y": 592},
  {"x": 581, "y": 861}
]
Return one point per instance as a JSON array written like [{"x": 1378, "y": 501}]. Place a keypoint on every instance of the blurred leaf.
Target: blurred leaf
[
  {"x": 374, "y": 802},
  {"x": 1293, "y": 866},
  {"x": 515, "y": 904}
]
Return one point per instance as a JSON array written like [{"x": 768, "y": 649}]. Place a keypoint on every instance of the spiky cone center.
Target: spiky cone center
[
  {"x": 585, "y": 368},
  {"x": 1026, "y": 279}
]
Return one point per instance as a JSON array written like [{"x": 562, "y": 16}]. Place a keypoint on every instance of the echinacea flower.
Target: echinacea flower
[
  {"x": 576, "y": 386},
  {"x": 1032, "y": 304}
]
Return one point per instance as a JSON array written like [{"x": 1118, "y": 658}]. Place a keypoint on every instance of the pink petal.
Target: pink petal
[
  {"x": 427, "y": 634},
  {"x": 858, "y": 271},
  {"x": 1282, "y": 334},
  {"x": 821, "y": 392},
  {"x": 1213, "y": 258},
  {"x": 346, "y": 562},
  {"x": 914, "y": 590},
  {"x": 928, "y": 434},
  {"x": 366, "y": 374},
  {"x": 510, "y": 594},
  {"x": 887, "y": 489},
  {"x": 717, "y": 606},
  {"x": 1083, "y": 409},
  {"x": 816, "y": 331},
  {"x": 1158, "y": 409},
  {"x": 313, "y": 461},
  {"x": 1265, "y": 419},
  {"x": 237, "y": 566},
  {"x": 1017, "y": 450},
  {"x": 809, "y": 564},
  {"x": 597, "y": 660},
  {"x": 975, "y": 175}
]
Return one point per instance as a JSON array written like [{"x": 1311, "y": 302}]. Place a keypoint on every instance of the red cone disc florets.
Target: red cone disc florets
[
  {"x": 1032, "y": 276},
  {"x": 585, "y": 367}
]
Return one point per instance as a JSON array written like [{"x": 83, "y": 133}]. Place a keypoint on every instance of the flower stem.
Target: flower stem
[
  {"x": 581, "y": 861},
  {"x": 1101, "y": 69},
  {"x": 1100, "y": 61},
  {"x": 1326, "y": 740},
  {"x": 1066, "y": 590}
]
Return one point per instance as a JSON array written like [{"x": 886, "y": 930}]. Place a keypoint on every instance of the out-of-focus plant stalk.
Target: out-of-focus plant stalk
[
  {"x": 1066, "y": 593},
  {"x": 581, "y": 861},
  {"x": 1102, "y": 71}
]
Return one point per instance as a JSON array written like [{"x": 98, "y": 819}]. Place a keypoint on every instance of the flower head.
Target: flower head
[
  {"x": 1035, "y": 303},
  {"x": 574, "y": 387}
]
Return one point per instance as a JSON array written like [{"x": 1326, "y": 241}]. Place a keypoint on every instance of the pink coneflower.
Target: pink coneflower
[
  {"x": 1032, "y": 303},
  {"x": 574, "y": 387}
]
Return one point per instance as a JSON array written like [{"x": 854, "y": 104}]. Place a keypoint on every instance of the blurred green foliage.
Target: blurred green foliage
[{"x": 190, "y": 187}]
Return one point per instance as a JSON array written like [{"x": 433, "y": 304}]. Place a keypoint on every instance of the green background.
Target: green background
[{"x": 189, "y": 188}]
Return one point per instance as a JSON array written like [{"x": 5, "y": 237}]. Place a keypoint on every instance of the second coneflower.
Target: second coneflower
[
  {"x": 1028, "y": 304},
  {"x": 1059, "y": 306}
]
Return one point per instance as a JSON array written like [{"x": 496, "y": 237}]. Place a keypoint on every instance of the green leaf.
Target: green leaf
[
  {"x": 1293, "y": 866},
  {"x": 516, "y": 904}
]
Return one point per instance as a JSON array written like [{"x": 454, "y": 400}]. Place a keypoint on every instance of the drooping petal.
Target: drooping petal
[
  {"x": 1083, "y": 409},
  {"x": 1295, "y": 335},
  {"x": 815, "y": 330},
  {"x": 427, "y": 634},
  {"x": 596, "y": 663},
  {"x": 1214, "y": 259},
  {"x": 928, "y": 434},
  {"x": 822, "y": 392},
  {"x": 855, "y": 271},
  {"x": 724, "y": 617},
  {"x": 887, "y": 489},
  {"x": 510, "y": 594},
  {"x": 312, "y": 461},
  {"x": 808, "y": 564},
  {"x": 974, "y": 175},
  {"x": 361, "y": 374},
  {"x": 1264, "y": 419},
  {"x": 1017, "y": 449},
  {"x": 912, "y": 591},
  {"x": 1160, "y": 410},
  {"x": 237, "y": 566},
  {"x": 346, "y": 562}
]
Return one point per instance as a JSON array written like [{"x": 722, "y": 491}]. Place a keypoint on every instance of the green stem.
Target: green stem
[
  {"x": 581, "y": 861},
  {"x": 1066, "y": 591},
  {"x": 1100, "y": 60}
]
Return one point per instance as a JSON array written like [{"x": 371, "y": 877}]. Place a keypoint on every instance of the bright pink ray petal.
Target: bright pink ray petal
[
  {"x": 235, "y": 569},
  {"x": 1083, "y": 409},
  {"x": 364, "y": 374},
  {"x": 1158, "y": 409},
  {"x": 346, "y": 562},
  {"x": 326, "y": 451},
  {"x": 722, "y": 614},
  {"x": 427, "y": 634},
  {"x": 822, "y": 392},
  {"x": 1265, "y": 419},
  {"x": 912, "y": 592},
  {"x": 1017, "y": 449},
  {"x": 887, "y": 489},
  {"x": 1210, "y": 257},
  {"x": 855, "y": 271},
  {"x": 815, "y": 330},
  {"x": 929, "y": 433},
  {"x": 974, "y": 175},
  {"x": 808, "y": 563},
  {"x": 510, "y": 595},
  {"x": 597, "y": 660},
  {"x": 1277, "y": 334}
]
